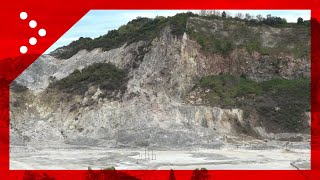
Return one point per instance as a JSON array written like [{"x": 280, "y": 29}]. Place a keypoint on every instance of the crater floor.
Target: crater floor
[{"x": 230, "y": 156}]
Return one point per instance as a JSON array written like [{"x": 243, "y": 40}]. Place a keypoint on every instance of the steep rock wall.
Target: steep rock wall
[{"x": 152, "y": 111}]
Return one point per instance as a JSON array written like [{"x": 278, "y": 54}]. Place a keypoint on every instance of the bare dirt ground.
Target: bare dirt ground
[{"x": 227, "y": 157}]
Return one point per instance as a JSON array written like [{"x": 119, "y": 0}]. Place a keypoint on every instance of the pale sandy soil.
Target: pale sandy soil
[{"x": 225, "y": 158}]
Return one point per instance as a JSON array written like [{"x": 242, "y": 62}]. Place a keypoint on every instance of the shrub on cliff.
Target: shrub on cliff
[
  {"x": 279, "y": 103},
  {"x": 105, "y": 75},
  {"x": 144, "y": 29}
]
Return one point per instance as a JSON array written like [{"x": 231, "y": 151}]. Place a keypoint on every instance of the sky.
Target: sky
[{"x": 98, "y": 22}]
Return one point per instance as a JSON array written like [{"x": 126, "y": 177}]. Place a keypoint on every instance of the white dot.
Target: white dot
[
  {"x": 23, "y": 49},
  {"x": 42, "y": 32},
  {"x": 23, "y": 15},
  {"x": 33, "y": 41},
  {"x": 33, "y": 24}
]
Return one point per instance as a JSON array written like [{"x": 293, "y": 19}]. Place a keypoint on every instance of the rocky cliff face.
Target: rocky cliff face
[{"x": 155, "y": 107}]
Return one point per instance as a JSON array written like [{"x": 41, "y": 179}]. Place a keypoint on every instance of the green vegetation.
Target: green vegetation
[
  {"x": 226, "y": 88},
  {"x": 293, "y": 99},
  {"x": 270, "y": 21},
  {"x": 238, "y": 32},
  {"x": 238, "y": 35},
  {"x": 224, "y": 14},
  {"x": 108, "y": 77},
  {"x": 242, "y": 35},
  {"x": 139, "y": 29},
  {"x": 214, "y": 45},
  {"x": 299, "y": 20},
  {"x": 279, "y": 102},
  {"x": 259, "y": 20}
]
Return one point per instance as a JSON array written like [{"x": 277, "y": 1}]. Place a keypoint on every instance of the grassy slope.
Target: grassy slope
[
  {"x": 147, "y": 29},
  {"x": 144, "y": 29},
  {"x": 292, "y": 97},
  {"x": 291, "y": 40},
  {"x": 108, "y": 77}
]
